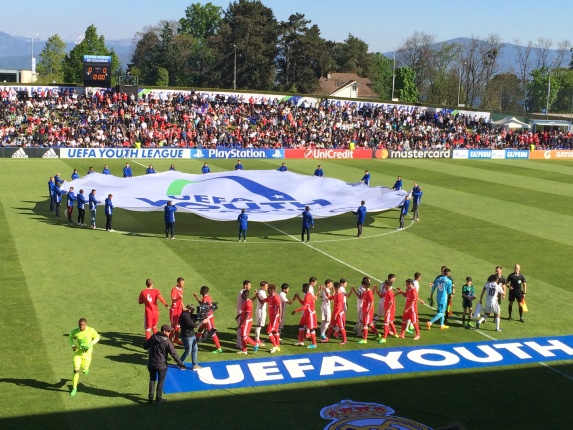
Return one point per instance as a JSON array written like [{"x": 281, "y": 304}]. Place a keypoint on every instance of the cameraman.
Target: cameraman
[{"x": 188, "y": 322}]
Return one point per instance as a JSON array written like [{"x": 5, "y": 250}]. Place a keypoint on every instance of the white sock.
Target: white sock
[{"x": 496, "y": 322}]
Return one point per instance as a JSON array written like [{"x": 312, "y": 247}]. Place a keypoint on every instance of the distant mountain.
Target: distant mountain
[
  {"x": 16, "y": 51},
  {"x": 507, "y": 58}
]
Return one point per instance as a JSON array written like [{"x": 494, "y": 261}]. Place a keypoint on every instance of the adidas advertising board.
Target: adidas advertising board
[{"x": 20, "y": 153}]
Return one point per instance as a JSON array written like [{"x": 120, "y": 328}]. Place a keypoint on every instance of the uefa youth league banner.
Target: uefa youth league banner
[{"x": 267, "y": 195}]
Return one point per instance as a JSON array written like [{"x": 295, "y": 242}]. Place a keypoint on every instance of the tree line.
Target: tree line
[{"x": 244, "y": 47}]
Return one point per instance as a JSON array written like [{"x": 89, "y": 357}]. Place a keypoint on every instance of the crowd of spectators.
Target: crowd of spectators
[{"x": 109, "y": 119}]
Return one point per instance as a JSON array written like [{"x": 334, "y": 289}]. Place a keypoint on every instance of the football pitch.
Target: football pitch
[{"x": 474, "y": 215}]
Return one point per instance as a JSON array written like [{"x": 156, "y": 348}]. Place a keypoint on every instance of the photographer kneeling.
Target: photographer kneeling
[{"x": 188, "y": 322}]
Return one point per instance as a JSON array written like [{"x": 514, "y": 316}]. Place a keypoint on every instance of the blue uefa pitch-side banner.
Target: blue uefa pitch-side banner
[
  {"x": 150, "y": 153},
  {"x": 237, "y": 153},
  {"x": 264, "y": 369}
]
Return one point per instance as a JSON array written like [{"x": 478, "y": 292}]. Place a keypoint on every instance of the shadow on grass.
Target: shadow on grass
[
  {"x": 150, "y": 224},
  {"x": 411, "y": 397}
]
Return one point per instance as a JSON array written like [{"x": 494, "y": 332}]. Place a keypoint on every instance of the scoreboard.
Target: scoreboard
[{"x": 97, "y": 71}]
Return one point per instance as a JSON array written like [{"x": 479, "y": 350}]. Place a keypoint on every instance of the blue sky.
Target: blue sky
[{"x": 383, "y": 25}]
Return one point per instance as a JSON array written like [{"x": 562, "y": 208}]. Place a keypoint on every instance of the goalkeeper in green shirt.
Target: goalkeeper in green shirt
[{"x": 82, "y": 340}]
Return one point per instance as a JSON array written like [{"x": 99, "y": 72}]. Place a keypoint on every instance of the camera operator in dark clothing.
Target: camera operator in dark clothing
[
  {"x": 188, "y": 322},
  {"x": 160, "y": 347}
]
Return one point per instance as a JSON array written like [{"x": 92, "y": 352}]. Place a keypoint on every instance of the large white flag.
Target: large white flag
[{"x": 267, "y": 195}]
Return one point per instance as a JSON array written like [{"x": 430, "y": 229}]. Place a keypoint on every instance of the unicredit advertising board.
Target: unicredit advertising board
[{"x": 328, "y": 154}]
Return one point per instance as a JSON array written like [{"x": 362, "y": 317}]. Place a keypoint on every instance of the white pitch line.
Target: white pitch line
[{"x": 372, "y": 277}]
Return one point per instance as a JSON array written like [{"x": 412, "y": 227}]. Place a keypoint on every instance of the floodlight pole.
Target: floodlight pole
[
  {"x": 393, "y": 74},
  {"x": 235, "y": 68}
]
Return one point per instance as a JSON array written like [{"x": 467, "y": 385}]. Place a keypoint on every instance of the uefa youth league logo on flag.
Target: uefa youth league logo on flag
[{"x": 267, "y": 195}]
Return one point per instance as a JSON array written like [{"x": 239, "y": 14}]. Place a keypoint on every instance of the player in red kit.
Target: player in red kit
[
  {"x": 176, "y": 309},
  {"x": 275, "y": 316},
  {"x": 149, "y": 297},
  {"x": 367, "y": 311},
  {"x": 308, "y": 318},
  {"x": 410, "y": 314},
  {"x": 245, "y": 323},
  {"x": 338, "y": 319},
  {"x": 389, "y": 312},
  {"x": 208, "y": 323}
]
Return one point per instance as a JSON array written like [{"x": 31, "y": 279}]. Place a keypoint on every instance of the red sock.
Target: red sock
[
  {"x": 216, "y": 340},
  {"x": 373, "y": 329},
  {"x": 147, "y": 334},
  {"x": 313, "y": 337},
  {"x": 403, "y": 327},
  {"x": 365, "y": 332},
  {"x": 417, "y": 329},
  {"x": 386, "y": 329},
  {"x": 343, "y": 331},
  {"x": 301, "y": 332}
]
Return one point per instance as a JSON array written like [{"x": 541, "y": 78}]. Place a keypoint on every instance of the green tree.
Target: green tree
[
  {"x": 540, "y": 94},
  {"x": 50, "y": 66},
  {"x": 354, "y": 57},
  {"x": 201, "y": 21},
  {"x": 504, "y": 93},
  {"x": 302, "y": 57},
  {"x": 145, "y": 57},
  {"x": 162, "y": 77},
  {"x": 73, "y": 66},
  {"x": 381, "y": 75},
  {"x": 406, "y": 89},
  {"x": 250, "y": 30},
  {"x": 442, "y": 79},
  {"x": 202, "y": 24}
]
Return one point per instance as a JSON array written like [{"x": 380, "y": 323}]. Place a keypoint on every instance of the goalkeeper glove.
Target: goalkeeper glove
[{"x": 85, "y": 348}]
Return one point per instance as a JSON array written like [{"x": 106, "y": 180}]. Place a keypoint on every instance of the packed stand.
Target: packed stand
[{"x": 110, "y": 119}]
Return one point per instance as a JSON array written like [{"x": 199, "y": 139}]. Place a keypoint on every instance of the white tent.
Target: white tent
[{"x": 511, "y": 122}]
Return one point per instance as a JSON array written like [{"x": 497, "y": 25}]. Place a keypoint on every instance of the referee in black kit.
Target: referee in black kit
[{"x": 517, "y": 290}]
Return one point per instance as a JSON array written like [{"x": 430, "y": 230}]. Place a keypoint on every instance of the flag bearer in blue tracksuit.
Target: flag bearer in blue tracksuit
[
  {"x": 51, "y": 185},
  {"x": 307, "y": 224},
  {"x": 70, "y": 204},
  {"x": 169, "y": 217},
  {"x": 58, "y": 197},
  {"x": 243, "y": 220},
  {"x": 81, "y": 202},
  {"x": 93, "y": 202},
  {"x": 360, "y": 217},
  {"x": 416, "y": 197},
  {"x": 404, "y": 211},
  {"x": 109, "y": 207}
]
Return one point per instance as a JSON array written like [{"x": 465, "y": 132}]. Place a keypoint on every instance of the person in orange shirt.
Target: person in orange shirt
[
  {"x": 176, "y": 309},
  {"x": 338, "y": 319},
  {"x": 274, "y": 309},
  {"x": 149, "y": 296},
  {"x": 389, "y": 312},
  {"x": 308, "y": 318},
  {"x": 208, "y": 324},
  {"x": 410, "y": 314},
  {"x": 245, "y": 322}
]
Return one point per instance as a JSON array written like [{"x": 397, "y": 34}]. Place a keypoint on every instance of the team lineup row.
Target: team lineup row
[{"x": 189, "y": 327}]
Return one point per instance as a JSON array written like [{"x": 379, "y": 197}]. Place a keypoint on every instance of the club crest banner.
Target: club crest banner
[{"x": 267, "y": 195}]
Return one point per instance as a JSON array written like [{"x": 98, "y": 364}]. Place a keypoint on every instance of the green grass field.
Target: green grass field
[{"x": 474, "y": 215}]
